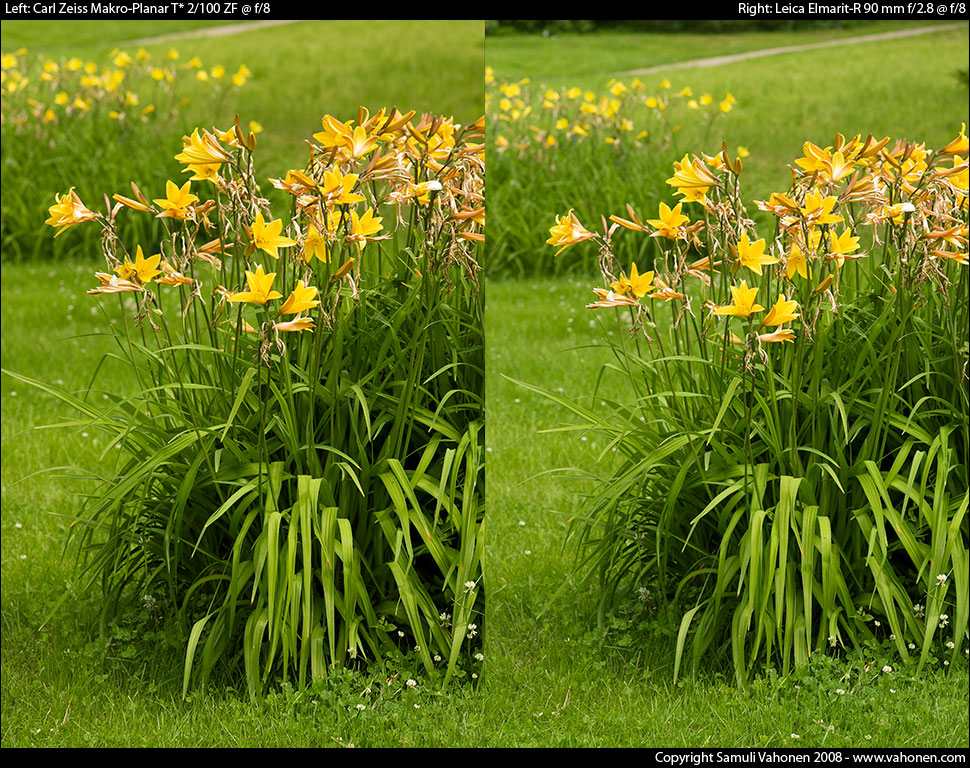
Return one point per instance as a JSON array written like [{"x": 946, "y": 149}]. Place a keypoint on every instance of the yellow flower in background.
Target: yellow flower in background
[
  {"x": 752, "y": 255},
  {"x": 783, "y": 311},
  {"x": 302, "y": 298},
  {"x": 268, "y": 237},
  {"x": 202, "y": 149},
  {"x": 568, "y": 231},
  {"x": 298, "y": 324},
  {"x": 743, "y": 302},
  {"x": 959, "y": 145},
  {"x": 363, "y": 228},
  {"x": 796, "y": 262},
  {"x": 260, "y": 288}
]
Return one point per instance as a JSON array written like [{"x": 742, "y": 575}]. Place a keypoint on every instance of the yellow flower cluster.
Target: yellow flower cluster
[
  {"x": 914, "y": 199},
  {"x": 523, "y": 119},
  {"x": 358, "y": 172},
  {"x": 51, "y": 90}
]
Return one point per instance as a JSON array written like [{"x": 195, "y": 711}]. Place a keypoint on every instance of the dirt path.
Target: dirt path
[
  {"x": 716, "y": 61},
  {"x": 220, "y": 31}
]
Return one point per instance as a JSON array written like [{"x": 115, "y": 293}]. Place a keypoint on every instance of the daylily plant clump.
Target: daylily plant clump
[
  {"x": 304, "y": 482},
  {"x": 794, "y": 452}
]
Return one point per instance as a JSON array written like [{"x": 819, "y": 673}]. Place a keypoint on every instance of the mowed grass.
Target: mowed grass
[{"x": 551, "y": 678}]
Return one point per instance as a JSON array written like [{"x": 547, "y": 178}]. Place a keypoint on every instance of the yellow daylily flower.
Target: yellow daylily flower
[
  {"x": 260, "y": 288},
  {"x": 67, "y": 211},
  {"x": 671, "y": 222},
  {"x": 267, "y": 237},
  {"x": 782, "y": 312},
  {"x": 781, "y": 335},
  {"x": 142, "y": 270},
  {"x": 315, "y": 244},
  {"x": 638, "y": 285},
  {"x": 843, "y": 246},
  {"x": 178, "y": 201},
  {"x": 744, "y": 302},
  {"x": 298, "y": 324},
  {"x": 337, "y": 188},
  {"x": 568, "y": 231},
  {"x": 752, "y": 255},
  {"x": 818, "y": 209},
  {"x": 300, "y": 299}
]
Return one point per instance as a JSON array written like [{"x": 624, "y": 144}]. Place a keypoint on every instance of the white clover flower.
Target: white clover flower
[
  {"x": 887, "y": 669},
  {"x": 940, "y": 579},
  {"x": 411, "y": 683},
  {"x": 949, "y": 644},
  {"x": 481, "y": 657}
]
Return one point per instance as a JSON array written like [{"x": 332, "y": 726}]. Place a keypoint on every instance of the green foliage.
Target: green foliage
[{"x": 302, "y": 500}]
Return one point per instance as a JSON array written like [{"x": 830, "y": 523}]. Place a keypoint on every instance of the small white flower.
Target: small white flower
[
  {"x": 940, "y": 579},
  {"x": 949, "y": 644},
  {"x": 481, "y": 657},
  {"x": 412, "y": 683},
  {"x": 469, "y": 586},
  {"x": 361, "y": 707},
  {"x": 887, "y": 669},
  {"x": 839, "y": 691},
  {"x": 796, "y": 736}
]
